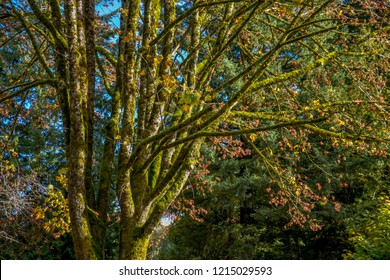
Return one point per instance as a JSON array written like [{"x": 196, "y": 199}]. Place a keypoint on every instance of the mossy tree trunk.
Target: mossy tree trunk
[{"x": 79, "y": 130}]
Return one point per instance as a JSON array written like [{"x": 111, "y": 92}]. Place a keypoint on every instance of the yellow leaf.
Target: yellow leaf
[
  {"x": 253, "y": 137},
  {"x": 315, "y": 102},
  {"x": 186, "y": 108}
]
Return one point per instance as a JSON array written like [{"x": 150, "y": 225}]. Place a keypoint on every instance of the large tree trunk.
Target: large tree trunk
[
  {"x": 148, "y": 179},
  {"x": 134, "y": 242},
  {"x": 77, "y": 159}
]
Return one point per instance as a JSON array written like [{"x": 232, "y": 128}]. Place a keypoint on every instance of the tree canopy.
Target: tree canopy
[{"x": 117, "y": 98}]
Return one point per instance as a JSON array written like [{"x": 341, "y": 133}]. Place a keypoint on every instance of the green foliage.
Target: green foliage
[
  {"x": 369, "y": 230},
  {"x": 236, "y": 224},
  {"x": 372, "y": 239}
]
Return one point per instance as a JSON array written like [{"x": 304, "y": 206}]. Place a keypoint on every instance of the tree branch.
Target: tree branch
[
  {"x": 107, "y": 55},
  {"x": 240, "y": 132},
  {"x": 26, "y": 86},
  {"x": 35, "y": 45},
  {"x": 344, "y": 136},
  {"x": 49, "y": 25},
  {"x": 185, "y": 15}
]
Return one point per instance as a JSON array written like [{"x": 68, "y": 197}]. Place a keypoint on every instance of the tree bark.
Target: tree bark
[{"x": 78, "y": 205}]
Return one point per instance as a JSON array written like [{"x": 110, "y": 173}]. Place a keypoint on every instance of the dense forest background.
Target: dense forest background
[{"x": 194, "y": 129}]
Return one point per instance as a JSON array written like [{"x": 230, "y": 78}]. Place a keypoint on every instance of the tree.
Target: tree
[
  {"x": 162, "y": 71},
  {"x": 228, "y": 210},
  {"x": 28, "y": 209},
  {"x": 371, "y": 238}
]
